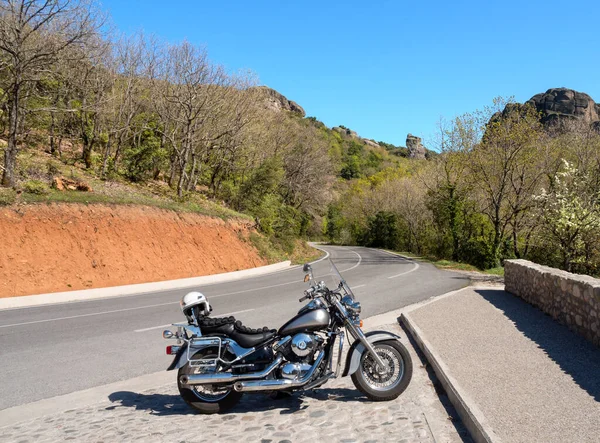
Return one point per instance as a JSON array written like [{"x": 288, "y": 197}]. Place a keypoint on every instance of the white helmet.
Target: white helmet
[{"x": 195, "y": 303}]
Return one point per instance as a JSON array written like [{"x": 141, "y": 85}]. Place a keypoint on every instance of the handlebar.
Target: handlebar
[{"x": 307, "y": 294}]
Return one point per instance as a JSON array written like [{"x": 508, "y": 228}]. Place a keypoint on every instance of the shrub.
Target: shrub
[
  {"x": 7, "y": 196},
  {"x": 37, "y": 187}
]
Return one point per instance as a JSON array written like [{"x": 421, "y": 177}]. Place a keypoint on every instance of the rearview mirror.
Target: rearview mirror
[{"x": 307, "y": 267}]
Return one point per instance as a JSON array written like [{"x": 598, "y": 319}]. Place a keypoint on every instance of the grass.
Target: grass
[
  {"x": 274, "y": 252},
  {"x": 36, "y": 170},
  {"x": 87, "y": 198},
  {"x": 453, "y": 265},
  {"x": 303, "y": 253},
  {"x": 7, "y": 196}
]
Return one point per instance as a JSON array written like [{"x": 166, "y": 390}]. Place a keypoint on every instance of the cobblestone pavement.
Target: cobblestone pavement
[{"x": 336, "y": 412}]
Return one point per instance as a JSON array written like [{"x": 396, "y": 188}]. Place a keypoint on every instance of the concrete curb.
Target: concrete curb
[
  {"x": 137, "y": 289},
  {"x": 467, "y": 409}
]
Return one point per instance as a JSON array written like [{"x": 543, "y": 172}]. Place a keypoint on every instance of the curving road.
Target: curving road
[{"x": 58, "y": 349}]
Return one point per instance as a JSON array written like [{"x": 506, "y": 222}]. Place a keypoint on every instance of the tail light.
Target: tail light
[{"x": 172, "y": 350}]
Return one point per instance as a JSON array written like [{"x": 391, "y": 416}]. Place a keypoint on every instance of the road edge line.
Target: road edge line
[
  {"x": 467, "y": 409},
  {"x": 27, "y": 301}
]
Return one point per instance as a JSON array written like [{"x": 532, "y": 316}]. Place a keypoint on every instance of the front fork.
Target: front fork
[{"x": 359, "y": 335}]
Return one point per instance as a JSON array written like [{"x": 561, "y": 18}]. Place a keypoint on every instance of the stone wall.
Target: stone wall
[{"x": 572, "y": 299}]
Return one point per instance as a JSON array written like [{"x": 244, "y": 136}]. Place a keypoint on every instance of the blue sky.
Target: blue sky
[{"x": 387, "y": 68}]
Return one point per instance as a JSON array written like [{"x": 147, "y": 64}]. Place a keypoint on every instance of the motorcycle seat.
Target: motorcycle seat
[{"x": 244, "y": 336}]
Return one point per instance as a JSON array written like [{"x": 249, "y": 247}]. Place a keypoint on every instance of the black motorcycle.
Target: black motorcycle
[{"x": 219, "y": 359}]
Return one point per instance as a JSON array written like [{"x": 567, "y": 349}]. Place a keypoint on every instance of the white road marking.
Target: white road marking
[
  {"x": 356, "y": 265},
  {"x": 284, "y": 284},
  {"x": 415, "y": 267},
  {"x": 358, "y": 286},
  {"x": 322, "y": 258},
  {"x": 172, "y": 303},
  {"x": 256, "y": 289},
  {"x": 391, "y": 253},
  {"x": 88, "y": 315},
  {"x": 171, "y": 324}
]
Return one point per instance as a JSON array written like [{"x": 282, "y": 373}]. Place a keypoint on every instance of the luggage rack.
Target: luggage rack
[{"x": 196, "y": 344}]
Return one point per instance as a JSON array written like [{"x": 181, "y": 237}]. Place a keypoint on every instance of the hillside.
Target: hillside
[
  {"x": 62, "y": 247},
  {"x": 141, "y": 122}
]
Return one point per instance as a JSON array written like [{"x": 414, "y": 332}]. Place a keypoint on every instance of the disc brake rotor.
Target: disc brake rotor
[{"x": 388, "y": 378}]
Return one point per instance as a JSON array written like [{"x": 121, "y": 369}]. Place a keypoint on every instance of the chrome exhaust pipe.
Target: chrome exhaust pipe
[
  {"x": 226, "y": 377},
  {"x": 278, "y": 384}
]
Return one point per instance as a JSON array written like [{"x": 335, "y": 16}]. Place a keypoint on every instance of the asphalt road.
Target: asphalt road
[{"x": 58, "y": 349}]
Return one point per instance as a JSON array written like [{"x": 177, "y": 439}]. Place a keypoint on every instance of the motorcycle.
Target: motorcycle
[{"x": 219, "y": 359}]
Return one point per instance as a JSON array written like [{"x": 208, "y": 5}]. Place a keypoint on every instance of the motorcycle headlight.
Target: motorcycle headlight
[{"x": 354, "y": 307}]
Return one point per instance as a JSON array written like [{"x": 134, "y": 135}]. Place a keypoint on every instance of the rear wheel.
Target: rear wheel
[
  {"x": 206, "y": 399},
  {"x": 387, "y": 385}
]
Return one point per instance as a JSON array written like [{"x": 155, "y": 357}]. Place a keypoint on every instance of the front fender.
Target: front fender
[
  {"x": 180, "y": 358},
  {"x": 357, "y": 349}
]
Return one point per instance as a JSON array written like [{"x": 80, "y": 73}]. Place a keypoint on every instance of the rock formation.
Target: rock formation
[
  {"x": 352, "y": 134},
  {"x": 278, "y": 102},
  {"x": 561, "y": 104},
  {"x": 415, "y": 148},
  {"x": 345, "y": 131},
  {"x": 371, "y": 143}
]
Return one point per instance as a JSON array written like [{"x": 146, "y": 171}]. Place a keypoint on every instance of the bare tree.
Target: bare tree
[
  {"x": 131, "y": 57},
  {"x": 33, "y": 34},
  {"x": 92, "y": 80},
  {"x": 182, "y": 80},
  {"x": 309, "y": 172}
]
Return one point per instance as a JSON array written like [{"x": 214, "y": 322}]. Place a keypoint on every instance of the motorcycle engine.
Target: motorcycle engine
[
  {"x": 299, "y": 352},
  {"x": 301, "y": 348},
  {"x": 303, "y": 344}
]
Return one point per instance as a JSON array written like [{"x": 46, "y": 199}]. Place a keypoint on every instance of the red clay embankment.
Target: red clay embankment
[{"x": 62, "y": 247}]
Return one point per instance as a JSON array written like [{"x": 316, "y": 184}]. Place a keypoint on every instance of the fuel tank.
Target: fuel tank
[{"x": 306, "y": 321}]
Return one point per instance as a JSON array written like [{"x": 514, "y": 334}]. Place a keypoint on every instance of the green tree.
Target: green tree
[{"x": 570, "y": 210}]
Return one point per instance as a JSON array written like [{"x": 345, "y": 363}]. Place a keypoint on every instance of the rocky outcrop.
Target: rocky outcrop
[
  {"x": 415, "y": 148},
  {"x": 345, "y": 131},
  {"x": 371, "y": 143},
  {"x": 67, "y": 184},
  {"x": 352, "y": 134},
  {"x": 278, "y": 102},
  {"x": 561, "y": 104}
]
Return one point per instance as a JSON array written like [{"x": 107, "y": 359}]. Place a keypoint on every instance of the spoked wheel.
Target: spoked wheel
[
  {"x": 384, "y": 385},
  {"x": 206, "y": 399}
]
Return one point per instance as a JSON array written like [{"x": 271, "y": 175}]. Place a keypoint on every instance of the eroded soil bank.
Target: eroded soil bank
[{"x": 52, "y": 248}]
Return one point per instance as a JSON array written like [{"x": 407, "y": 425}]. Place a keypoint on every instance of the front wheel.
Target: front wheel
[{"x": 383, "y": 386}]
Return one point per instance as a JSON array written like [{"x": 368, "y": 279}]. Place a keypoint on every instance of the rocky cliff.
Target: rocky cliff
[
  {"x": 561, "y": 104},
  {"x": 415, "y": 147},
  {"x": 278, "y": 102}
]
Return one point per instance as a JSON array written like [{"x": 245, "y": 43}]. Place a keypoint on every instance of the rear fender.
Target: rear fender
[
  {"x": 357, "y": 349},
  {"x": 180, "y": 358}
]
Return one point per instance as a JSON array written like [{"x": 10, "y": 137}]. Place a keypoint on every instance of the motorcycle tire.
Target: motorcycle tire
[{"x": 366, "y": 381}]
